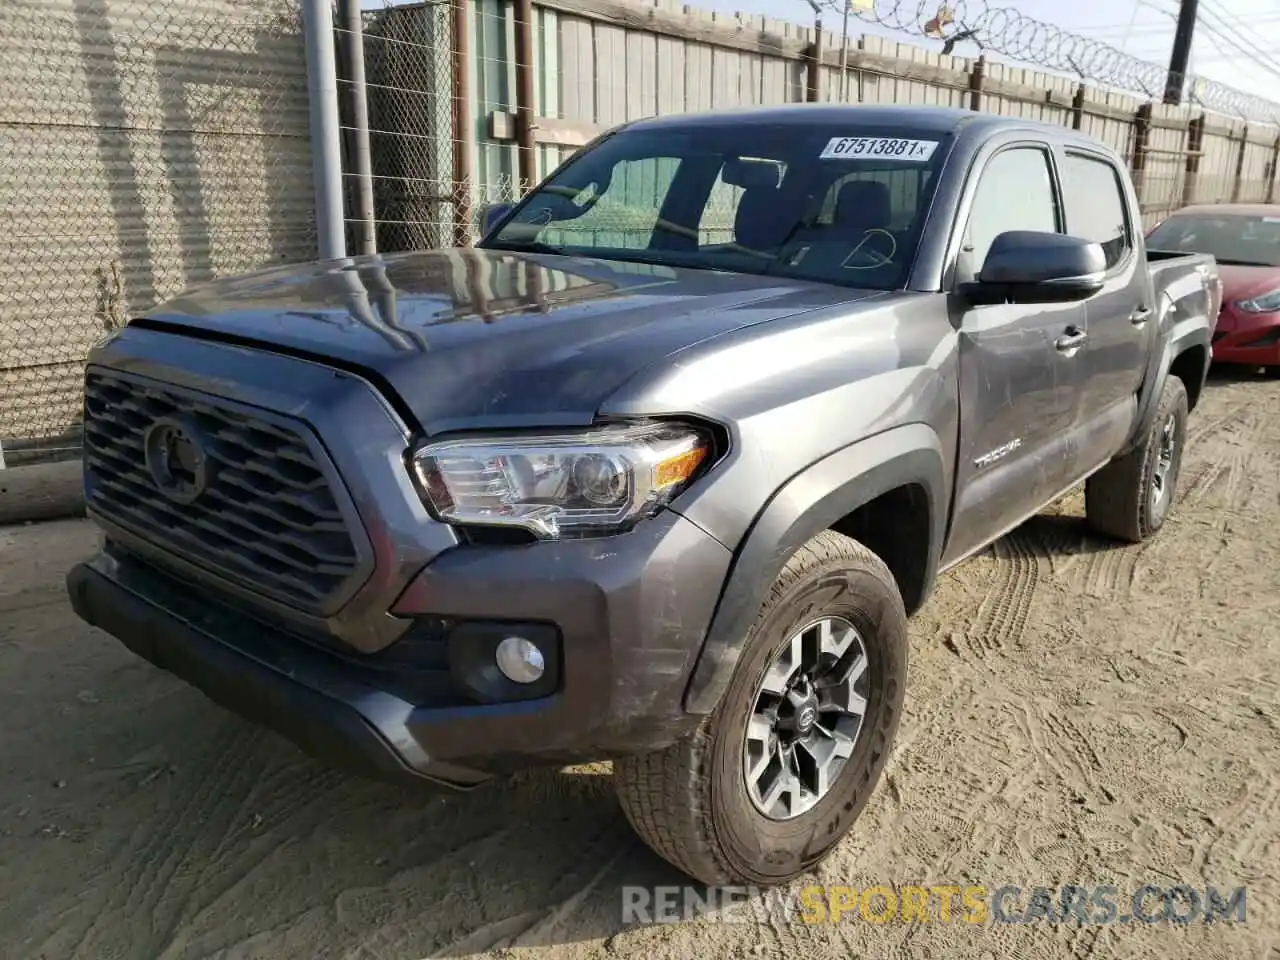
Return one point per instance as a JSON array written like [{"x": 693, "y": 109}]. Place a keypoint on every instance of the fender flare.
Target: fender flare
[
  {"x": 810, "y": 502},
  {"x": 1184, "y": 335}
]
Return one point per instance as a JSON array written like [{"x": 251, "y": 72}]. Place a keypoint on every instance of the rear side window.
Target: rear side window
[{"x": 1095, "y": 206}]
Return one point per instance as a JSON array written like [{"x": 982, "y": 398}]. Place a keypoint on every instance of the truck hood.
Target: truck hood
[{"x": 470, "y": 338}]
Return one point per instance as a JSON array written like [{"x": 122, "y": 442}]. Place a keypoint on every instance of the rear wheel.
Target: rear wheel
[
  {"x": 1130, "y": 498},
  {"x": 778, "y": 773}
]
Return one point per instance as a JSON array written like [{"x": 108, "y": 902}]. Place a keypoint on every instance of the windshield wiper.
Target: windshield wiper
[{"x": 1246, "y": 263}]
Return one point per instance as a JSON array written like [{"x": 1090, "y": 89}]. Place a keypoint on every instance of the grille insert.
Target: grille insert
[{"x": 265, "y": 514}]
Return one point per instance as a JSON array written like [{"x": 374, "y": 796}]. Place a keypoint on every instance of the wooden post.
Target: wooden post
[
  {"x": 1077, "y": 107},
  {"x": 976, "y": 75},
  {"x": 1272, "y": 170},
  {"x": 1141, "y": 138},
  {"x": 813, "y": 65},
  {"x": 1195, "y": 145},
  {"x": 1235, "y": 182},
  {"x": 528, "y": 163}
]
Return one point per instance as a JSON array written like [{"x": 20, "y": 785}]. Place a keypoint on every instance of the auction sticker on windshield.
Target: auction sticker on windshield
[{"x": 894, "y": 148}]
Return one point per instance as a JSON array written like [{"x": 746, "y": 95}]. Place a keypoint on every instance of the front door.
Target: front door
[{"x": 1019, "y": 366}]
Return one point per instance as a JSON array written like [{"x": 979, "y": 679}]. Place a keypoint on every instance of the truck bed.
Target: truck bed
[{"x": 1189, "y": 280}]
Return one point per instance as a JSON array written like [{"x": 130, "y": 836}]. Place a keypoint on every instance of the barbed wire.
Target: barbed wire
[{"x": 1025, "y": 39}]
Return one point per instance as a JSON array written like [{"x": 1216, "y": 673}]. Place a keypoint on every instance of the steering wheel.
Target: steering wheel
[{"x": 866, "y": 256}]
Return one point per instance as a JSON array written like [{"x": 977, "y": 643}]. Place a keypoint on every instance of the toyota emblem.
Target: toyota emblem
[{"x": 177, "y": 460}]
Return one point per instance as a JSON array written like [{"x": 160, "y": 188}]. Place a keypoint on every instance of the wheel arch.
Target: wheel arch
[
  {"x": 887, "y": 491},
  {"x": 1186, "y": 354}
]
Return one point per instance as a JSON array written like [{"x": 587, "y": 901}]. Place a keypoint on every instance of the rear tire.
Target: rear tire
[
  {"x": 1130, "y": 498},
  {"x": 704, "y": 804}
]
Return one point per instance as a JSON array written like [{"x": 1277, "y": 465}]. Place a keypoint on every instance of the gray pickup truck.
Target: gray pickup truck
[{"x": 657, "y": 472}]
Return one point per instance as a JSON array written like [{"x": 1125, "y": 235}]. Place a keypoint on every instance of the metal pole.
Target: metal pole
[
  {"x": 326, "y": 144},
  {"x": 1181, "y": 55},
  {"x": 462, "y": 132},
  {"x": 844, "y": 54},
  {"x": 525, "y": 151},
  {"x": 353, "y": 41}
]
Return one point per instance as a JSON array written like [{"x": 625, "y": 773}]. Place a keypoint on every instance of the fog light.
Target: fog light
[{"x": 519, "y": 660}]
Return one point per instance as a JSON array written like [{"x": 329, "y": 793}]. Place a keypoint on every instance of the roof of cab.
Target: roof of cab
[{"x": 926, "y": 119}]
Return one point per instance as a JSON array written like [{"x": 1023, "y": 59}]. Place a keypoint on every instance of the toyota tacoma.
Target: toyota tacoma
[{"x": 657, "y": 471}]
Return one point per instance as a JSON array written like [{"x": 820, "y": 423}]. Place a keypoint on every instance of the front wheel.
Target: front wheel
[
  {"x": 1130, "y": 498},
  {"x": 775, "y": 777}
]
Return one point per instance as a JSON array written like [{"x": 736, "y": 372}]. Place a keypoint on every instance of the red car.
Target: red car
[{"x": 1245, "y": 240}]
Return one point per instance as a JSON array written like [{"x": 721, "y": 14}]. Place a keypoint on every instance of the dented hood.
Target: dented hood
[{"x": 471, "y": 338}]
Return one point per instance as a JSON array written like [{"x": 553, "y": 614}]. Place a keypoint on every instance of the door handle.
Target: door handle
[
  {"x": 1072, "y": 341},
  {"x": 1140, "y": 316}
]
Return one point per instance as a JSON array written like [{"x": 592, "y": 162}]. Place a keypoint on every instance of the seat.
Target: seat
[
  {"x": 761, "y": 220},
  {"x": 861, "y": 205}
]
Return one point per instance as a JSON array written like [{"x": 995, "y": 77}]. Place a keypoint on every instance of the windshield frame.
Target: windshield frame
[{"x": 925, "y": 200}]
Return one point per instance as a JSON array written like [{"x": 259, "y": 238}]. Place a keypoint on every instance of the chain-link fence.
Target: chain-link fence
[
  {"x": 146, "y": 145},
  {"x": 427, "y": 67}
]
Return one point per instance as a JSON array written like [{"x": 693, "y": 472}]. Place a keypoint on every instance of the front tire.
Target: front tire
[
  {"x": 825, "y": 663},
  {"x": 1130, "y": 498}
]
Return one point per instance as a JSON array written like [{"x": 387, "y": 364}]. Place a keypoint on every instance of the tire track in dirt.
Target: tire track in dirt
[
  {"x": 1076, "y": 748},
  {"x": 1002, "y": 616},
  {"x": 1060, "y": 539},
  {"x": 1238, "y": 831},
  {"x": 418, "y": 911},
  {"x": 1225, "y": 480},
  {"x": 1111, "y": 570},
  {"x": 153, "y": 871},
  {"x": 1213, "y": 424},
  {"x": 295, "y": 797},
  {"x": 1067, "y": 751}
]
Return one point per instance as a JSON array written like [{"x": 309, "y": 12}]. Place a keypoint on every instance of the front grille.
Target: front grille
[{"x": 263, "y": 514}]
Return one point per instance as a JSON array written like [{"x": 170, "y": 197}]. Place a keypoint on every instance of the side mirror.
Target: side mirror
[
  {"x": 490, "y": 214},
  {"x": 1027, "y": 266}
]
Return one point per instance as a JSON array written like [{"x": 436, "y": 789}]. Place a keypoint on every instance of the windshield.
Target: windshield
[
  {"x": 1233, "y": 239},
  {"x": 814, "y": 202}
]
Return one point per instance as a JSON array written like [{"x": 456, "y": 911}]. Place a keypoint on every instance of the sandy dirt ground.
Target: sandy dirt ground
[{"x": 1078, "y": 713}]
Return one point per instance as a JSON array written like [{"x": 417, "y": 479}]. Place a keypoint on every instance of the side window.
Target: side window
[
  {"x": 1015, "y": 193},
  {"x": 627, "y": 210},
  {"x": 1095, "y": 205}
]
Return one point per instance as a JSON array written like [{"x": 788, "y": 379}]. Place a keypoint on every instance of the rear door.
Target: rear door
[
  {"x": 1019, "y": 363},
  {"x": 1121, "y": 320}
]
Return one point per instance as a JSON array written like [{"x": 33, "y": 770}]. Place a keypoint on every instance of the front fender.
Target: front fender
[{"x": 808, "y": 503}]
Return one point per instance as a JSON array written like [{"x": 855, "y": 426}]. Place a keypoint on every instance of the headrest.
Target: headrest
[
  {"x": 761, "y": 222},
  {"x": 864, "y": 203}
]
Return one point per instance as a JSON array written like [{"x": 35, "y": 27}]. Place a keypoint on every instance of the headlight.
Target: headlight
[
  {"x": 1267, "y": 303},
  {"x": 597, "y": 481}
]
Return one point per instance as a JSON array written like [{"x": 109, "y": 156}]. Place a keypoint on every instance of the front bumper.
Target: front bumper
[
  {"x": 630, "y": 613},
  {"x": 1247, "y": 339}
]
